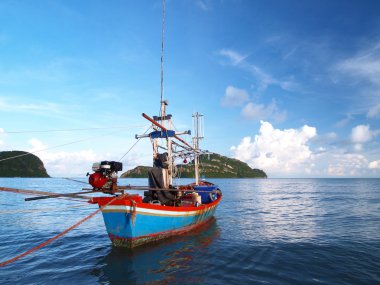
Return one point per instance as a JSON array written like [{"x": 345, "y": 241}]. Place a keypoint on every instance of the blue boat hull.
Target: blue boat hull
[{"x": 131, "y": 224}]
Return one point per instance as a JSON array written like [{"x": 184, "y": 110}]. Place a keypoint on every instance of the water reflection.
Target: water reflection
[
  {"x": 272, "y": 231},
  {"x": 165, "y": 262},
  {"x": 272, "y": 210},
  {"x": 294, "y": 208}
]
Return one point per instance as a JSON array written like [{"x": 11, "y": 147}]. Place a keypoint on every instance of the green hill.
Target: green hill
[
  {"x": 23, "y": 166},
  {"x": 211, "y": 166},
  {"x": 137, "y": 172}
]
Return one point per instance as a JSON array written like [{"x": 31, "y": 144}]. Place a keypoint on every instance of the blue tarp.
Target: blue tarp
[
  {"x": 205, "y": 194},
  {"x": 162, "y": 134}
]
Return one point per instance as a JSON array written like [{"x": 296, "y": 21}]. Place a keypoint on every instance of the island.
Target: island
[
  {"x": 211, "y": 166},
  {"x": 21, "y": 164}
]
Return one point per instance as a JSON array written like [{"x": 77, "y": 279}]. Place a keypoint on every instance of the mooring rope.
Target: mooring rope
[
  {"x": 75, "y": 180},
  {"x": 133, "y": 211},
  {"x": 59, "y": 235}
]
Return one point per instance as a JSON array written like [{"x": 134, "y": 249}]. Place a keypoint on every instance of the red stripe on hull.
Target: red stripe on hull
[{"x": 138, "y": 199}]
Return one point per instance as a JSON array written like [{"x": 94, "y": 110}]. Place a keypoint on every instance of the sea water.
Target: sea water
[{"x": 265, "y": 231}]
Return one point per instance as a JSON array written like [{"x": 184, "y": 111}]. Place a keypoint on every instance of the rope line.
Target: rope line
[
  {"x": 75, "y": 180},
  {"x": 70, "y": 130},
  {"x": 34, "y": 152},
  {"x": 58, "y": 235},
  {"x": 50, "y": 209},
  {"x": 134, "y": 144},
  {"x": 133, "y": 211}
]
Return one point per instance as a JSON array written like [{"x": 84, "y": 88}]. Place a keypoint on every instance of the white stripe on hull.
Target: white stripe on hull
[{"x": 117, "y": 208}]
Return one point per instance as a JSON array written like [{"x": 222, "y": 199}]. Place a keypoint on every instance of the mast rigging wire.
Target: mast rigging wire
[
  {"x": 68, "y": 130},
  {"x": 134, "y": 144},
  {"x": 41, "y": 150},
  {"x": 90, "y": 138}
]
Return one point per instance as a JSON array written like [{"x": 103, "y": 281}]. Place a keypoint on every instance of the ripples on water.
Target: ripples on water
[{"x": 273, "y": 231}]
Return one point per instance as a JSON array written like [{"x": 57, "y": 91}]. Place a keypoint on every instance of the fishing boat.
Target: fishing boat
[{"x": 165, "y": 209}]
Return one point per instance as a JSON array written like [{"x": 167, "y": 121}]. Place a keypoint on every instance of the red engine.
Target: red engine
[
  {"x": 97, "y": 180},
  {"x": 105, "y": 175}
]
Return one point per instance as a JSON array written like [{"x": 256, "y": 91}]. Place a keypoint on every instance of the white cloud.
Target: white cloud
[
  {"x": 36, "y": 145},
  {"x": 331, "y": 136},
  {"x": 366, "y": 65},
  {"x": 347, "y": 165},
  {"x": 264, "y": 80},
  {"x": 234, "y": 97},
  {"x": 277, "y": 151},
  {"x": 8, "y": 105},
  {"x": 374, "y": 111},
  {"x": 78, "y": 163},
  {"x": 374, "y": 164},
  {"x": 364, "y": 69},
  {"x": 63, "y": 163},
  {"x": 337, "y": 161},
  {"x": 362, "y": 134},
  {"x": 203, "y": 4},
  {"x": 263, "y": 112},
  {"x": 234, "y": 57},
  {"x": 237, "y": 97},
  {"x": 358, "y": 147},
  {"x": 70, "y": 163},
  {"x": 342, "y": 123}
]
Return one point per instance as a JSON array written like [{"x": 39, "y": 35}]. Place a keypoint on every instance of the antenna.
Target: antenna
[
  {"x": 198, "y": 126},
  {"x": 198, "y": 131}
]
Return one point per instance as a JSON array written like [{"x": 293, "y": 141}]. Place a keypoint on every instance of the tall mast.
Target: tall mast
[
  {"x": 168, "y": 140},
  {"x": 164, "y": 130},
  {"x": 164, "y": 103},
  {"x": 162, "y": 55}
]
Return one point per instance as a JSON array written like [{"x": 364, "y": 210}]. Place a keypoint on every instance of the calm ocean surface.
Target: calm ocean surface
[{"x": 273, "y": 231}]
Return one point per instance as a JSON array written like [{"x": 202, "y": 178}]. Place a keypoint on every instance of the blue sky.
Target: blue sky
[{"x": 291, "y": 87}]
